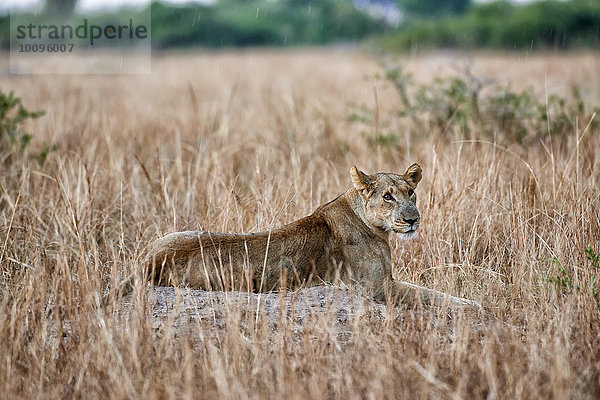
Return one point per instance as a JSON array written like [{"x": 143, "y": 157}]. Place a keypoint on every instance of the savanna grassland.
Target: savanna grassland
[{"x": 250, "y": 140}]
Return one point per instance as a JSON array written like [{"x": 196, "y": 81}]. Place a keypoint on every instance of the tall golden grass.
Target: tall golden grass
[{"x": 251, "y": 140}]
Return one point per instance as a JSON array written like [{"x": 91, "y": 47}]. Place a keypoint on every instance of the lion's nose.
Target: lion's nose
[{"x": 410, "y": 221}]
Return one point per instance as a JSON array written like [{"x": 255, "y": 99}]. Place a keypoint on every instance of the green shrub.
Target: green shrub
[
  {"x": 564, "y": 280},
  {"x": 12, "y": 115},
  {"x": 459, "y": 104},
  {"x": 13, "y": 138}
]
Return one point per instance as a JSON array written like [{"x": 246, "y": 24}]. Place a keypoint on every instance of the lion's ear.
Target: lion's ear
[
  {"x": 360, "y": 180},
  {"x": 413, "y": 175}
]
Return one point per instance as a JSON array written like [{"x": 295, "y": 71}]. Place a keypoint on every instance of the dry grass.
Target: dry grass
[{"x": 246, "y": 141}]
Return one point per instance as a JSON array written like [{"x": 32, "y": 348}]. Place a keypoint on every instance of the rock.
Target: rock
[{"x": 183, "y": 311}]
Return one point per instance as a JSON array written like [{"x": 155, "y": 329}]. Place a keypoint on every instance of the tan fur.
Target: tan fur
[{"x": 344, "y": 240}]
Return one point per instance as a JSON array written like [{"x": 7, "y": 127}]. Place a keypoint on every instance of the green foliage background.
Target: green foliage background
[
  {"x": 434, "y": 8},
  {"x": 540, "y": 25},
  {"x": 258, "y": 22}
]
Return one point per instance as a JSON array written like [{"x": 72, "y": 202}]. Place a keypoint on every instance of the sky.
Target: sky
[{"x": 92, "y": 5}]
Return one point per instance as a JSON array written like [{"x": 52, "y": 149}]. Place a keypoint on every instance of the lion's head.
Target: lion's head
[{"x": 390, "y": 200}]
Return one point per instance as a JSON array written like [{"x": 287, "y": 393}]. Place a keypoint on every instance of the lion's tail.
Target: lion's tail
[
  {"x": 168, "y": 256},
  {"x": 163, "y": 251}
]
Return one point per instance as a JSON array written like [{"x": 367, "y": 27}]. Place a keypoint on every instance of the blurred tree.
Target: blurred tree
[
  {"x": 60, "y": 7},
  {"x": 434, "y": 8}
]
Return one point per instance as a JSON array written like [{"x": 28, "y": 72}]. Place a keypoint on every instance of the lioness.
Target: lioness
[{"x": 344, "y": 240}]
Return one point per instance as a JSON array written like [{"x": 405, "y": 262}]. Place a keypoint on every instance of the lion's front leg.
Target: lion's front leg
[{"x": 411, "y": 295}]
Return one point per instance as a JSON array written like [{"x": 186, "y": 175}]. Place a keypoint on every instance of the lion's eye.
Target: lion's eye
[
  {"x": 388, "y": 196},
  {"x": 410, "y": 192}
]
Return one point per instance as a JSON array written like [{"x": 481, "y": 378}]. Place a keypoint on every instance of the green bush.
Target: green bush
[
  {"x": 469, "y": 107},
  {"x": 12, "y": 115},
  {"x": 14, "y": 139},
  {"x": 563, "y": 279}
]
